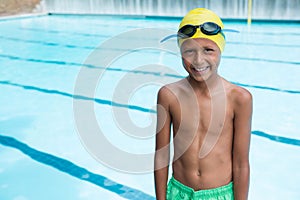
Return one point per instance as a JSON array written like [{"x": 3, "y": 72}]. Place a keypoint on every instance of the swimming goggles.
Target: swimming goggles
[{"x": 208, "y": 28}]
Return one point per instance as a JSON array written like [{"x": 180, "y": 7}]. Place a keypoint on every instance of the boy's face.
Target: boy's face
[{"x": 201, "y": 58}]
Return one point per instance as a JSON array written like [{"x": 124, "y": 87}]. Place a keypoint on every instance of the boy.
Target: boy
[{"x": 210, "y": 118}]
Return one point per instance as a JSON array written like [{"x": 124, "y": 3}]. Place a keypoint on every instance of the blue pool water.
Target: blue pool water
[{"x": 44, "y": 157}]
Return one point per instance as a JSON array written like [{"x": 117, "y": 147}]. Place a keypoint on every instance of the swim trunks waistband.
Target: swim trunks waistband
[{"x": 177, "y": 190}]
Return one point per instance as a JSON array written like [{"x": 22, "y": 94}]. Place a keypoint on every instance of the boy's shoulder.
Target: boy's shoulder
[
  {"x": 174, "y": 86},
  {"x": 172, "y": 90},
  {"x": 237, "y": 93}
]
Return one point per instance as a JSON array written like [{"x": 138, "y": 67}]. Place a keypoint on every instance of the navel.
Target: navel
[{"x": 199, "y": 173}]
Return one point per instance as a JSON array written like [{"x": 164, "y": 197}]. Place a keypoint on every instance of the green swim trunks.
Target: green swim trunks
[{"x": 177, "y": 190}]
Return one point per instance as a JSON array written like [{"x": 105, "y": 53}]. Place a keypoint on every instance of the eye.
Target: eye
[
  {"x": 209, "y": 50},
  {"x": 189, "y": 51}
]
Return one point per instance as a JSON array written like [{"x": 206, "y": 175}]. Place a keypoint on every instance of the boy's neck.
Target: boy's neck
[{"x": 208, "y": 87}]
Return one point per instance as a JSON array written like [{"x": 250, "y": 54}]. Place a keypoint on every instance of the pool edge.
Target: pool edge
[{"x": 22, "y": 16}]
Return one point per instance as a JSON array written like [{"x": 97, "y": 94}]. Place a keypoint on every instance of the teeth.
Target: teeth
[{"x": 201, "y": 69}]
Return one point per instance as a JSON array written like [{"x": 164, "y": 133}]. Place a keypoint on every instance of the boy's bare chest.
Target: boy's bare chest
[{"x": 202, "y": 116}]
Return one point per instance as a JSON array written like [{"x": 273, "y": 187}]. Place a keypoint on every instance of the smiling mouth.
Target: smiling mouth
[{"x": 201, "y": 69}]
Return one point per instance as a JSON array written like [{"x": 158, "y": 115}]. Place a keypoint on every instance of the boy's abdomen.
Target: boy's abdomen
[{"x": 213, "y": 171}]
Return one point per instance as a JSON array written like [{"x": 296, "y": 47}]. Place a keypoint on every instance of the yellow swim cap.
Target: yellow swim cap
[{"x": 199, "y": 16}]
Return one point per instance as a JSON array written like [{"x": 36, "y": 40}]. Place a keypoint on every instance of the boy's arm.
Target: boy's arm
[
  {"x": 241, "y": 144},
  {"x": 162, "y": 149}
]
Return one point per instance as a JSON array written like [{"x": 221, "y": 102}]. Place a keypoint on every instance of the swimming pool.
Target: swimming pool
[{"x": 42, "y": 154}]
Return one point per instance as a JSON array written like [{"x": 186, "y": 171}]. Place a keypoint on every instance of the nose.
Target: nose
[{"x": 198, "y": 58}]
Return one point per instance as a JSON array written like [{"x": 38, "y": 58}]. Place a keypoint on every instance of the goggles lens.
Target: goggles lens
[{"x": 208, "y": 28}]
